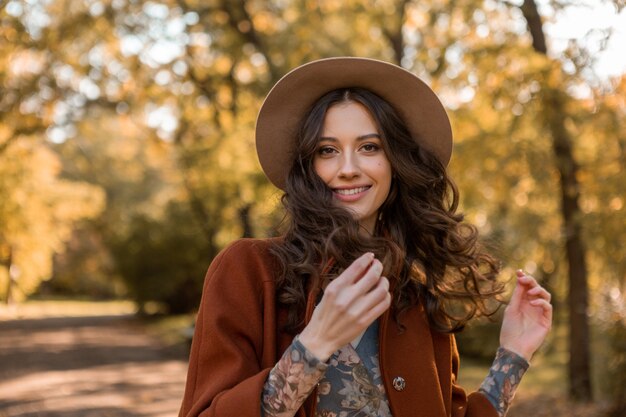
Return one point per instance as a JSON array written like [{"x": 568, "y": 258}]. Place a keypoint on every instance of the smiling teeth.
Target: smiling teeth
[{"x": 351, "y": 191}]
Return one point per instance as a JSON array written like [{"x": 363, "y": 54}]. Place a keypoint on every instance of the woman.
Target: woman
[{"x": 352, "y": 311}]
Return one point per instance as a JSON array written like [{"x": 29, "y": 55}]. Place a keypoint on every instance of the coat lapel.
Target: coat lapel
[{"x": 410, "y": 355}]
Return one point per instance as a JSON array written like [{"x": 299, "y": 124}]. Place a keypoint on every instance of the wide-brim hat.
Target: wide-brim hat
[{"x": 293, "y": 95}]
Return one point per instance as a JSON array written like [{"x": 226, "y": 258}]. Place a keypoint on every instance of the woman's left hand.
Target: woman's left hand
[{"x": 527, "y": 318}]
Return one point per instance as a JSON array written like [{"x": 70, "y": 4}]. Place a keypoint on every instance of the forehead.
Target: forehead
[{"x": 348, "y": 117}]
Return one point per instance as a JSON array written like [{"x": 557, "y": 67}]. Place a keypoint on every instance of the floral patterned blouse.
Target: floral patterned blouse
[{"x": 350, "y": 383}]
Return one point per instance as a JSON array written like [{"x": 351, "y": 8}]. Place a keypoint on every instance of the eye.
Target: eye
[
  {"x": 325, "y": 150},
  {"x": 370, "y": 147}
]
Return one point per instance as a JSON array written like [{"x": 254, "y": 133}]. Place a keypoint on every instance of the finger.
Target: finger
[
  {"x": 366, "y": 292},
  {"x": 344, "y": 292},
  {"x": 373, "y": 297},
  {"x": 544, "y": 305},
  {"x": 526, "y": 280},
  {"x": 518, "y": 293},
  {"x": 540, "y": 292},
  {"x": 540, "y": 302},
  {"x": 364, "y": 310},
  {"x": 369, "y": 279},
  {"x": 532, "y": 286},
  {"x": 379, "y": 301},
  {"x": 355, "y": 270}
]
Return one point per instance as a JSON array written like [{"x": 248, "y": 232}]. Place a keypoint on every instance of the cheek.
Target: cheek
[
  {"x": 384, "y": 171},
  {"x": 322, "y": 169},
  {"x": 388, "y": 179}
]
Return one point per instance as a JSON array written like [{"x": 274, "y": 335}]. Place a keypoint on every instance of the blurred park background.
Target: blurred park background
[{"x": 127, "y": 162}]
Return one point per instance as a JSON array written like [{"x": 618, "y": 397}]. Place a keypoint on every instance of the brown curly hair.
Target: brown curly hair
[{"x": 427, "y": 250}]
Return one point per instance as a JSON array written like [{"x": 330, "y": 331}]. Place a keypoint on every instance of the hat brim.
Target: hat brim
[{"x": 293, "y": 95}]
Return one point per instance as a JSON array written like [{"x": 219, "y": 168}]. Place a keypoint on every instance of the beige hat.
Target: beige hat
[{"x": 293, "y": 96}]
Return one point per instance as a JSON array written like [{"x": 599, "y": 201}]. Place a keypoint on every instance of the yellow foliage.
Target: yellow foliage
[
  {"x": 477, "y": 56},
  {"x": 38, "y": 212}
]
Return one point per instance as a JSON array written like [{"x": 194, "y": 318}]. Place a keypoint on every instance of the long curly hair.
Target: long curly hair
[{"x": 429, "y": 253}]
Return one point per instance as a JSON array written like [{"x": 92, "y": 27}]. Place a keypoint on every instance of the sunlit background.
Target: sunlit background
[{"x": 127, "y": 162}]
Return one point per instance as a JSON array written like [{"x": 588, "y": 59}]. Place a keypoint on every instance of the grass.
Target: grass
[{"x": 172, "y": 330}]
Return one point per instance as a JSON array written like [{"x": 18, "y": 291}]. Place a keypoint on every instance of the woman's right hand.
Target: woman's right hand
[{"x": 351, "y": 302}]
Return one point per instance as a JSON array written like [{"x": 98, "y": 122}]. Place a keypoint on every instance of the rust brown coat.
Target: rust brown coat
[{"x": 237, "y": 342}]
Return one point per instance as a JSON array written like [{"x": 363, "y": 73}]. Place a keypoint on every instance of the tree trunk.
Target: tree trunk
[
  {"x": 246, "y": 223},
  {"x": 10, "y": 277},
  {"x": 553, "y": 101},
  {"x": 393, "y": 32},
  {"x": 197, "y": 206}
]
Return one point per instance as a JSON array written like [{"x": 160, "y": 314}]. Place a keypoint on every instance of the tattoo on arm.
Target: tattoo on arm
[
  {"x": 291, "y": 381},
  {"x": 504, "y": 377}
]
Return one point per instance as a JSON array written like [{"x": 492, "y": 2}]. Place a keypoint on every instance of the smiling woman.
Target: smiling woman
[
  {"x": 352, "y": 311},
  {"x": 351, "y": 160}
]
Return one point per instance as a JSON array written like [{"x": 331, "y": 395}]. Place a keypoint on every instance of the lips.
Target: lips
[
  {"x": 350, "y": 191},
  {"x": 350, "y": 194}
]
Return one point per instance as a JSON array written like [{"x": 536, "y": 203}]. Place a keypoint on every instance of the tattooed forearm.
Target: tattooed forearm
[
  {"x": 504, "y": 377},
  {"x": 291, "y": 381}
]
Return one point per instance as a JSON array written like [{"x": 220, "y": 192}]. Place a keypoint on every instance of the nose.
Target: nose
[{"x": 349, "y": 166}]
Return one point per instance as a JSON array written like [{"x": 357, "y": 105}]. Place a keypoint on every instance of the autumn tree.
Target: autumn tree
[
  {"x": 553, "y": 104},
  {"x": 37, "y": 212},
  {"x": 505, "y": 92}
]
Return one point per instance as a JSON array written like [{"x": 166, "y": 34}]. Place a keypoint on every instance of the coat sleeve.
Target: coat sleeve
[
  {"x": 473, "y": 405},
  {"x": 225, "y": 376}
]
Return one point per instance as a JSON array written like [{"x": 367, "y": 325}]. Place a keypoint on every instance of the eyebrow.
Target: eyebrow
[{"x": 362, "y": 137}]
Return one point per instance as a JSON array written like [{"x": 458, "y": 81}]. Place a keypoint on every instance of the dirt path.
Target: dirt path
[
  {"x": 87, "y": 367},
  {"x": 108, "y": 366}
]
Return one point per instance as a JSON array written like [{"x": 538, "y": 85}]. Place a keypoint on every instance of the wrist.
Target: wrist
[
  {"x": 315, "y": 346},
  {"x": 523, "y": 353}
]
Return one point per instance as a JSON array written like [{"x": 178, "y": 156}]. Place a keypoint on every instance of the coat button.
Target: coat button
[{"x": 399, "y": 383}]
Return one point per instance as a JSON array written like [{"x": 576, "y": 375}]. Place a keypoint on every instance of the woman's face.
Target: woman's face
[{"x": 351, "y": 160}]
